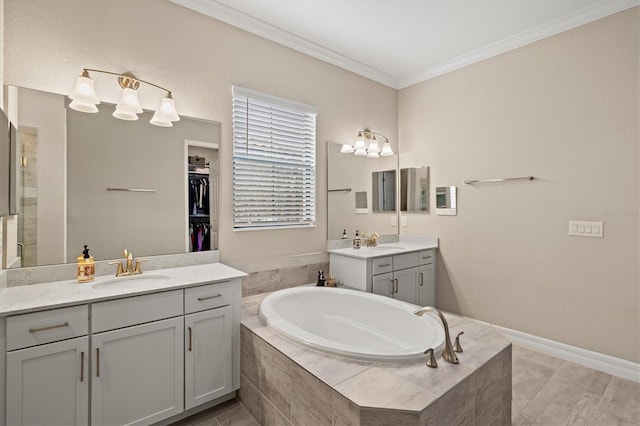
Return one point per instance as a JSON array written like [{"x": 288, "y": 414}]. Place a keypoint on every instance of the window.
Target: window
[{"x": 274, "y": 161}]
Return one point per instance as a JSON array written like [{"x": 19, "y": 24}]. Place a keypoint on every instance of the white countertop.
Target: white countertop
[
  {"x": 36, "y": 297},
  {"x": 383, "y": 250}
]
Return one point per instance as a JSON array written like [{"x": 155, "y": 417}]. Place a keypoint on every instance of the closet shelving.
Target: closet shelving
[{"x": 199, "y": 209}]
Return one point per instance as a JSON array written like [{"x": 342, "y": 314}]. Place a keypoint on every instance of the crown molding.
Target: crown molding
[
  {"x": 231, "y": 16},
  {"x": 593, "y": 13}
]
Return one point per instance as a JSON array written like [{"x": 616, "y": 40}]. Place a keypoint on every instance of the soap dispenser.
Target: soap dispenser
[
  {"x": 357, "y": 242},
  {"x": 344, "y": 234},
  {"x": 86, "y": 266}
]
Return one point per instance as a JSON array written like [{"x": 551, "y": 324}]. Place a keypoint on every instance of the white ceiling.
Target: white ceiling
[{"x": 402, "y": 42}]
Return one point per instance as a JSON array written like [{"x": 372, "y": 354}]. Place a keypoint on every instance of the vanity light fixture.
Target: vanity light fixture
[
  {"x": 367, "y": 144},
  {"x": 84, "y": 99}
]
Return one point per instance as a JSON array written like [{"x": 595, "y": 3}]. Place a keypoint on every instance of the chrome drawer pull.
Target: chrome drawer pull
[
  {"x": 421, "y": 278},
  {"x": 190, "y": 339},
  {"x": 209, "y": 297},
  {"x": 97, "y": 362},
  {"x": 384, "y": 265},
  {"x": 51, "y": 327},
  {"x": 82, "y": 366},
  {"x": 428, "y": 257}
]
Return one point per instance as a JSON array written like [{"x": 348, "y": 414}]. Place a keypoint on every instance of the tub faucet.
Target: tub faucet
[{"x": 447, "y": 353}]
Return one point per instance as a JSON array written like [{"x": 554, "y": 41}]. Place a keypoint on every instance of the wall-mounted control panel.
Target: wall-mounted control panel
[{"x": 585, "y": 229}]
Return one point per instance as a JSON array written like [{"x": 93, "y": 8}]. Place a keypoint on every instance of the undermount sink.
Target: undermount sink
[{"x": 125, "y": 280}]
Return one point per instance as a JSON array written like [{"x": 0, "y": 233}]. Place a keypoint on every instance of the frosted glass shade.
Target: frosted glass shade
[
  {"x": 347, "y": 149},
  {"x": 373, "y": 155},
  {"x": 373, "y": 147},
  {"x": 359, "y": 144},
  {"x": 360, "y": 151},
  {"x": 84, "y": 96},
  {"x": 386, "y": 150},
  {"x": 129, "y": 107},
  {"x": 166, "y": 113}
]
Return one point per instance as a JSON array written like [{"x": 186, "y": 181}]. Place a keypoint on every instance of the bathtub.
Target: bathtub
[{"x": 352, "y": 324}]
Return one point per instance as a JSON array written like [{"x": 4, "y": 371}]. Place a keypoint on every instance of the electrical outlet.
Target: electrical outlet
[
  {"x": 586, "y": 229},
  {"x": 394, "y": 220},
  {"x": 403, "y": 221}
]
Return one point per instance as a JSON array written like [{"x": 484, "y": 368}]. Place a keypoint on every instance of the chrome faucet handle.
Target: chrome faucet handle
[
  {"x": 456, "y": 344},
  {"x": 431, "y": 358}
]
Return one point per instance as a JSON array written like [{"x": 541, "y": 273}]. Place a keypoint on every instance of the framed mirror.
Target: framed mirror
[
  {"x": 112, "y": 184},
  {"x": 348, "y": 174}
]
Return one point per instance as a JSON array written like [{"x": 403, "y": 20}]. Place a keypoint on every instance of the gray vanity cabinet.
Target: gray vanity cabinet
[{"x": 410, "y": 277}]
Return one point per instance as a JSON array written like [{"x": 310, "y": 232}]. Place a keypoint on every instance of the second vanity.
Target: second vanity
[
  {"x": 130, "y": 350},
  {"x": 404, "y": 270}
]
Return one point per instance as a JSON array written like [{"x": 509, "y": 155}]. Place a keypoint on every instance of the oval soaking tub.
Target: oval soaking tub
[{"x": 352, "y": 324}]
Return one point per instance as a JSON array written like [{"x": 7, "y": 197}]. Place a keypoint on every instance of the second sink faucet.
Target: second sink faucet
[
  {"x": 447, "y": 353},
  {"x": 129, "y": 268},
  {"x": 372, "y": 241}
]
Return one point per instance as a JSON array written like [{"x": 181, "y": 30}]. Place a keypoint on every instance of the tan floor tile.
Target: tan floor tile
[
  {"x": 585, "y": 378},
  {"x": 528, "y": 378},
  {"x": 522, "y": 353},
  {"x": 620, "y": 403},
  {"x": 559, "y": 403},
  {"x": 236, "y": 416}
]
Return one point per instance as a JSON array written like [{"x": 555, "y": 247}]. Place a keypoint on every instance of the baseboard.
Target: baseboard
[{"x": 615, "y": 366}]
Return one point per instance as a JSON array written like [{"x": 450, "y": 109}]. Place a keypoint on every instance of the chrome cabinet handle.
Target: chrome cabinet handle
[
  {"x": 51, "y": 327},
  {"x": 190, "y": 339},
  {"x": 82, "y": 366},
  {"x": 392, "y": 287},
  {"x": 209, "y": 297},
  {"x": 384, "y": 265},
  {"x": 97, "y": 362},
  {"x": 396, "y": 285},
  {"x": 421, "y": 278}
]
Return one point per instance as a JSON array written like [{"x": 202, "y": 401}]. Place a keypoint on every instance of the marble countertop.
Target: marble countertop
[
  {"x": 383, "y": 250},
  {"x": 36, "y": 297}
]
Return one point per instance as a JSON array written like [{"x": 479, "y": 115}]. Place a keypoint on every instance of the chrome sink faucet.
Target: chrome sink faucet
[
  {"x": 128, "y": 269},
  {"x": 447, "y": 353}
]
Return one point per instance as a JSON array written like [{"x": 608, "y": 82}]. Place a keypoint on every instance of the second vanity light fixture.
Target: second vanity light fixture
[
  {"x": 367, "y": 144},
  {"x": 84, "y": 99}
]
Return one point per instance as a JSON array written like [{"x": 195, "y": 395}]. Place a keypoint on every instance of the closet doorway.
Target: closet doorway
[{"x": 201, "y": 196}]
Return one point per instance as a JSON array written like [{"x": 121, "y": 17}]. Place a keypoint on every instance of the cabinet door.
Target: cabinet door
[
  {"x": 137, "y": 373},
  {"x": 48, "y": 384},
  {"x": 406, "y": 286},
  {"x": 426, "y": 286},
  {"x": 208, "y": 359},
  {"x": 383, "y": 284}
]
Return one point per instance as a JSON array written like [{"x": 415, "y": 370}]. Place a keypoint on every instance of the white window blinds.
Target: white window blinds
[{"x": 274, "y": 161}]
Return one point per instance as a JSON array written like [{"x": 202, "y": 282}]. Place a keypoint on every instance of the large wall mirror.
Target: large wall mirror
[
  {"x": 112, "y": 184},
  {"x": 348, "y": 177}
]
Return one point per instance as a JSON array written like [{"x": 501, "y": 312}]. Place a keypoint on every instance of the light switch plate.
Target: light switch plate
[
  {"x": 394, "y": 220},
  {"x": 586, "y": 229},
  {"x": 403, "y": 221}
]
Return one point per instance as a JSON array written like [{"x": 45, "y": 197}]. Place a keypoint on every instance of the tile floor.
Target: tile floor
[{"x": 547, "y": 391}]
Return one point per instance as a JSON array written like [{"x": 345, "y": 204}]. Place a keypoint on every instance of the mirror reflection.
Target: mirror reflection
[
  {"x": 384, "y": 191},
  {"x": 348, "y": 174},
  {"x": 112, "y": 184},
  {"x": 446, "y": 201},
  {"x": 414, "y": 189}
]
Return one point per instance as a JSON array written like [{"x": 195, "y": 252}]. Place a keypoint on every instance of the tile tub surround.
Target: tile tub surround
[
  {"x": 67, "y": 271},
  {"x": 267, "y": 275},
  {"x": 285, "y": 383}
]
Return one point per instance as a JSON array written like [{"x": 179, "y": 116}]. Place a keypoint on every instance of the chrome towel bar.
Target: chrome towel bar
[
  {"x": 131, "y": 189},
  {"x": 472, "y": 181}
]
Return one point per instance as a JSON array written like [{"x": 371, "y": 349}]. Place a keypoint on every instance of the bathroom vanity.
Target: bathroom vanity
[
  {"x": 138, "y": 349},
  {"x": 405, "y": 271}
]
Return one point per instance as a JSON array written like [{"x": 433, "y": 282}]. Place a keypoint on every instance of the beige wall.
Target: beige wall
[
  {"x": 564, "y": 110},
  {"x": 199, "y": 58}
]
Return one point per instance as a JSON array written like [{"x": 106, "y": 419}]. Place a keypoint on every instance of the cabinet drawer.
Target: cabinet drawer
[
  {"x": 120, "y": 313},
  {"x": 382, "y": 265},
  {"x": 47, "y": 326},
  {"x": 207, "y": 297},
  {"x": 404, "y": 261},
  {"x": 427, "y": 257}
]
